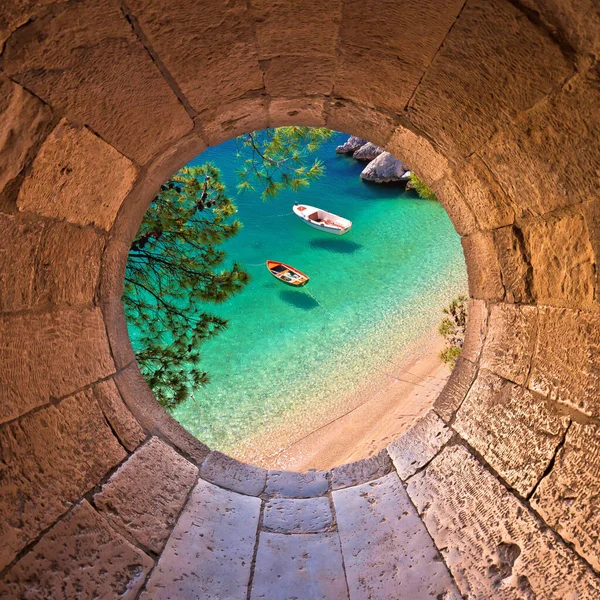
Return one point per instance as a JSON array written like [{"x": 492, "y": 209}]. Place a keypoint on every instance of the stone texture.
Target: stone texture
[
  {"x": 493, "y": 545},
  {"x": 62, "y": 57},
  {"x": 297, "y": 515},
  {"x": 145, "y": 496},
  {"x": 48, "y": 460},
  {"x": 455, "y": 204},
  {"x": 80, "y": 557},
  {"x": 47, "y": 355},
  {"x": 510, "y": 341},
  {"x": 210, "y": 551},
  {"x": 78, "y": 177},
  {"x": 567, "y": 499},
  {"x": 121, "y": 420},
  {"x": 297, "y": 111},
  {"x": 512, "y": 64},
  {"x": 299, "y": 566},
  {"x": 591, "y": 212},
  {"x": 297, "y": 76},
  {"x": 361, "y": 471},
  {"x": 483, "y": 268},
  {"x": 387, "y": 550},
  {"x": 418, "y": 445},
  {"x": 456, "y": 388},
  {"x": 516, "y": 432},
  {"x": 515, "y": 265},
  {"x": 234, "y": 475},
  {"x": 287, "y": 484},
  {"x": 477, "y": 327},
  {"x": 567, "y": 360}
]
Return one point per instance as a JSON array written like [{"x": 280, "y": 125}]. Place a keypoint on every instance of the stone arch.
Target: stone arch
[{"x": 494, "y": 104}]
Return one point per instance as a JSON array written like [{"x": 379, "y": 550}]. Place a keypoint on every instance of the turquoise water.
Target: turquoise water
[{"x": 372, "y": 292}]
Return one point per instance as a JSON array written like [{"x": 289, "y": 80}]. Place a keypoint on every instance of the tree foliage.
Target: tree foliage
[
  {"x": 422, "y": 190},
  {"x": 277, "y": 159},
  {"x": 452, "y": 329}
]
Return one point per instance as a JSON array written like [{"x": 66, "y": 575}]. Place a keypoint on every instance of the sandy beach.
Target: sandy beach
[{"x": 383, "y": 408}]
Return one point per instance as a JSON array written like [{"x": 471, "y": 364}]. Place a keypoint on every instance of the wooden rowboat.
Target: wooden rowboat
[
  {"x": 287, "y": 274},
  {"x": 322, "y": 220}
]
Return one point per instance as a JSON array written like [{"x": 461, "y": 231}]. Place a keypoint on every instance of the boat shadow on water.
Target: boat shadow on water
[
  {"x": 298, "y": 299},
  {"x": 337, "y": 246}
]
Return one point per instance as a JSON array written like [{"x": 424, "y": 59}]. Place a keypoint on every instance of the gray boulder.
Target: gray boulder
[
  {"x": 367, "y": 152},
  {"x": 353, "y": 144},
  {"x": 386, "y": 168}
]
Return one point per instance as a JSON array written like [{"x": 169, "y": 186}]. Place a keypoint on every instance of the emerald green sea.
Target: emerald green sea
[{"x": 372, "y": 292}]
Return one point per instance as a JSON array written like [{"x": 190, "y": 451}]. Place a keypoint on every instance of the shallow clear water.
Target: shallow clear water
[{"x": 372, "y": 292}]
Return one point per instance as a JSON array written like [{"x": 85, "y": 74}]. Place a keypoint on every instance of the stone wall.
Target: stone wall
[{"x": 494, "y": 104}]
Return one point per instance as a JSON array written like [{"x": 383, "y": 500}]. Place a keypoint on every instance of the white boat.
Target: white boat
[{"x": 322, "y": 220}]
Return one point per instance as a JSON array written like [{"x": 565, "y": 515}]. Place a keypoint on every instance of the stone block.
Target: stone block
[
  {"x": 567, "y": 498},
  {"x": 288, "y": 484},
  {"x": 591, "y": 212},
  {"x": 297, "y": 515},
  {"x": 49, "y": 459},
  {"x": 50, "y": 355},
  {"x": 144, "y": 497},
  {"x": 213, "y": 34},
  {"x": 299, "y": 566},
  {"x": 494, "y": 546},
  {"x": 477, "y": 327},
  {"x": 515, "y": 431},
  {"x": 455, "y": 390},
  {"x": 510, "y": 341},
  {"x": 298, "y": 76},
  {"x": 456, "y": 205},
  {"x": 511, "y": 63},
  {"x": 78, "y": 177},
  {"x": 210, "y": 551},
  {"x": 234, "y": 475},
  {"x": 121, "y": 420},
  {"x": 515, "y": 265},
  {"x": 483, "y": 268},
  {"x": 80, "y": 557},
  {"x": 386, "y": 548},
  {"x": 309, "y": 112},
  {"x": 361, "y": 471},
  {"x": 84, "y": 59},
  {"x": 566, "y": 364},
  {"x": 417, "y": 446}
]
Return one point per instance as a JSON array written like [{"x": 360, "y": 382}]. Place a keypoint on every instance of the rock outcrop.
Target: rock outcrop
[
  {"x": 386, "y": 168},
  {"x": 351, "y": 146},
  {"x": 368, "y": 152}
]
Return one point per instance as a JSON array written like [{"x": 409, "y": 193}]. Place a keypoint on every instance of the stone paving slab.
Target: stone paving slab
[
  {"x": 210, "y": 551},
  {"x": 456, "y": 388},
  {"x": 516, "y": 432},
  {"x": 145, "y": 495},
  {"x": 80, "y": 557},
  {"x": 419, "y": 444},
  {"x": 234, "y": 475},
  {"x": 304, "y": 566},
  {"x": 386, "y": 548},
  {"x": 297, "y": 515},
  {"x": 361, "y": 471},
  {"x": 289, "y": 484},
  {"x": 493, "y": 545}
]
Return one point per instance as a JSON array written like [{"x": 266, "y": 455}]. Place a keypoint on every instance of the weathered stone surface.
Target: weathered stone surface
[
  {"x": 351, "y": 145},
  {"x": 386, "y": 168},
  {"x": 456, "y": 388},
  {"x": 591, "y": 212},
  {"x": 62, "y": 56},
  {"x": 297, "y": 515},
  {"x": 387, "y": 550},
  {"x": 78, "y": 177},
  {"x": 48, "y": 355},
  {"x": 287, "y": 484},
  {"x": 516, "y": 432},
  {"x": 483, "y": 268},
  {"x": 48, "y": 460},
  {"x": 510, "y": 341},
  {"x": 493, "y": 545},
  {"x": 299, "y": 566},
  {"x": 184, "y": 37},
  {"x": 513, "y": 256},
  {"x": 80, "y": 557},
  {"x": 367, "y": 152},
  {"x": 298, "y": 76},
  {"x": 210, "y": 551},
  {"x": 234, "y": 475},
  {"x": 502, "y": 48},
  {"x": 297, "y": 111},
  {"x": 361, "y": 471},
  {"x": 24, "y": 121},
  {"x": 418, "y": 445},
  {"x": 477, "y": 326},
  {"x": 567, "y": 361},
  {"x": 455, "y": 204},
  {"x": 121, "y": 420},
  {"x": 145, "y": 496},
  {"x": 567, "y": 499}
]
